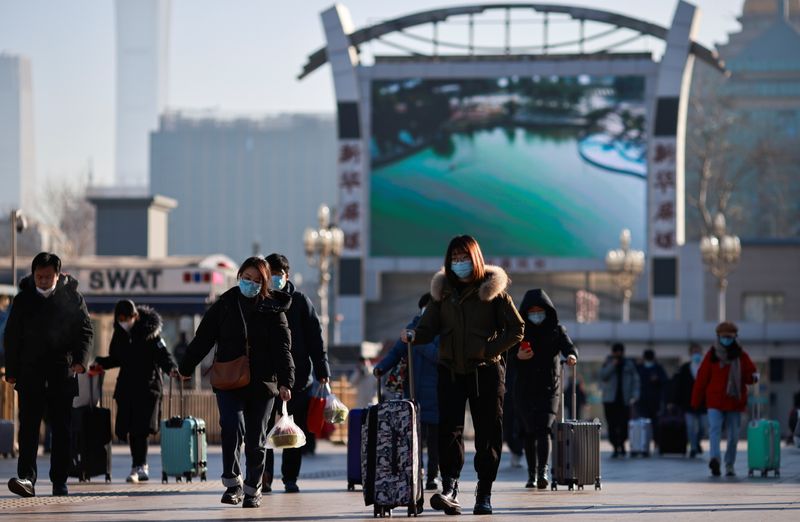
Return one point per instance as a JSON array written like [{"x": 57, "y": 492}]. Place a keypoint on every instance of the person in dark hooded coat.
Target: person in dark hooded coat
[
  {"x": 140, "y": 353},
  {"x": 538, "y": 373}
]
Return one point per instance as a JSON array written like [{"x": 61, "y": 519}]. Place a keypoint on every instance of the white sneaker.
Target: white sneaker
[
  {"x": 144, "y": 473},
  {"x": 134, "y": 476}
]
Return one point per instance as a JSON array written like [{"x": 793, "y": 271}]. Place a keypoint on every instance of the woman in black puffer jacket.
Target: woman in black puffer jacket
[
  {"x": 140, "y": 353},
  {"x": 248, "y": 312},
  {"x": 537, "y": 369}
]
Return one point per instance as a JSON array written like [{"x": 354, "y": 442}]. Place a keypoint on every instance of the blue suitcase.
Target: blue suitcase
[
  {"x": 184, "y": 452},
  {"x": 354, "y": 448}
]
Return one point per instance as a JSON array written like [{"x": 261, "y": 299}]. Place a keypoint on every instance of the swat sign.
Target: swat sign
[{"x": 125, "y": 280}]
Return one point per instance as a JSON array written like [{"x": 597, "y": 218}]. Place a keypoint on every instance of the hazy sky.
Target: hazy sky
[{"x": 234, "y": 55}]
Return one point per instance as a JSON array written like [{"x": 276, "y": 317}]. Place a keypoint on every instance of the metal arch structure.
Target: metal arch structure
[
  {"x": 666, "y": 93},
  {"x": 374, "y": 32}
]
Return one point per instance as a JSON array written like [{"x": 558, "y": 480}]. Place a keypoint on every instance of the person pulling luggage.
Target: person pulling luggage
[
  {"x": 425, "y": 376},
  {"x": 246, "y": 321},
  {"x": 536, "y": 391},
  {"x": 140, "y": 353},
  {"x": 477, "y": 323},
  {"x": 721, "y": 385}
]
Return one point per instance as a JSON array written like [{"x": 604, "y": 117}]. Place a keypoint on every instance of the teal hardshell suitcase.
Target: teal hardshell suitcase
[{"x": 184, "y": 452}]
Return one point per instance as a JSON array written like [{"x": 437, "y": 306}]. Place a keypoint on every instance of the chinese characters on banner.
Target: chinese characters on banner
[
  {"x": 351, "y": 187},
  {"x": 662, "y": 179}
]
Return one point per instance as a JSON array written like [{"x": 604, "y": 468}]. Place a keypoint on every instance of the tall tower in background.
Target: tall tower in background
[
  {"x": 17, "y": 160},
  {"x": 142, "y": 28}
]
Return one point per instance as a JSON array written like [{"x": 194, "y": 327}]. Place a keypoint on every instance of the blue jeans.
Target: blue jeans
[
  {"x": 243, "y": 417},
  {"x": 731, "y": 419},
  {"x": 696, "y": 427}
]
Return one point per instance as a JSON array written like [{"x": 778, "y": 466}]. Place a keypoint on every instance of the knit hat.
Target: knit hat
[{"x": 727, "y": 327}]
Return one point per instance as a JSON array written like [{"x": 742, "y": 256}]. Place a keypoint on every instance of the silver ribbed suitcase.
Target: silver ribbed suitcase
[{"x": 576, "y": 452}]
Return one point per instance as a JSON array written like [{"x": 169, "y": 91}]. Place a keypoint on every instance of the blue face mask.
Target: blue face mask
[
  {"x": 697, "y": 358},
  {"x": 463, "y": 269},
  {"x": 537, "y": 317},
  {"x": 726, "y": 341},
  {"x": 278, "y": 282},
  {"x": 249, "y": 288}
]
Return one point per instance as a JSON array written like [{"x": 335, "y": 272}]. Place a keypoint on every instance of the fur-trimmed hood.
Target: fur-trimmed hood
[
  {"x": 495, "y": 283},
  {"x": 148, "y": 326}
]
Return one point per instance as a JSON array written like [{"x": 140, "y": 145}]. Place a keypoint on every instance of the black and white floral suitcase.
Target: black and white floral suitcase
[{"x": 391, "y": 461}]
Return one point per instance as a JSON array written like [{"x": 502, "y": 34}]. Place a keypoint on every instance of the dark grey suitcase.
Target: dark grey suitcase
[
  {"x": 7, "y": 439},
  {"x": 391, "y": 454},
  {"x": 576, "y": 452}
]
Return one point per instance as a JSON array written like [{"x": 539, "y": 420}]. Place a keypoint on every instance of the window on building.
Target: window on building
[{"x": 763, "y": 307}]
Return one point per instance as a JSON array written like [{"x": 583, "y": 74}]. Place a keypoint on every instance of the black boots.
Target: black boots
[
  {"x": 531, "y": 479},
  {"x": 543, "y": 478},
  {"x": 447, "y": 500},
  {"x": 483, "y": 499}
]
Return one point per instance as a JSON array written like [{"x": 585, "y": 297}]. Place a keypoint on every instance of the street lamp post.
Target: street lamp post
[
  {"x": 721, "y": 253},
  {"x": 625, "y": 265},
  {"x": 18, "y": 224},
  {"x": 323, "y": 246}
]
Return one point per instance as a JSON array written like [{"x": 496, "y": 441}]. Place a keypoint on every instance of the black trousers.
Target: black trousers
[
  {"x": 538, "y": 436},
  {"x": 52, "y": 388},
  {"x": 138, "y": 444},
  {"x": 484, "y": 389},
  {"x": 430, "y": 433},
  {"x": 292, "y": 458},
  {"x": 617, "y": 416}
]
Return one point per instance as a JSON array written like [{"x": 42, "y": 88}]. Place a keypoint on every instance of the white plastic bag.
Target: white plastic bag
[
  {"x": 285, "y": 434},
  {"x": 335, "y": 411}
]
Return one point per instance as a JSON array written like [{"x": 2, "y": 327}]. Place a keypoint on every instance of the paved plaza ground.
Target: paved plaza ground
[{"x": 668, "y": 488}]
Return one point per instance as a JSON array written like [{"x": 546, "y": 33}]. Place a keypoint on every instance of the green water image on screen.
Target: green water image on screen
[{"x": 533, "y": 167}]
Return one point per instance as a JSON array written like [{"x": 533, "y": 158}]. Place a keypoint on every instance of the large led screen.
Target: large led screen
[{"x": 532, "y": 167}]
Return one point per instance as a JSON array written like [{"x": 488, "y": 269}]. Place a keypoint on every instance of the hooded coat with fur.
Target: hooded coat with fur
[
  {"x": 54, "y": 330},
  {"x": 141, "y": 355},
  {"x": 476, "y": 323}
]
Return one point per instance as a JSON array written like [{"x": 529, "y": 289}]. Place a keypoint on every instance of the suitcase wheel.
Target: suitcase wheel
[
  {"x": 580, "y": 487},
  {"x": 777, "y": 473},
  {"x": 178, "y": 479},
  {"x": 597, "y": 485},
  {"x": 164, "y": 478},
  {"x": 571, "y": 487},
  {"x": 554, "y": 487},
  {"x": 749, "y": 472},
  {"x": 108, "y": 478},
  {"x": 203, "y": 476},
  {"x": 763, "y": 473},
  {"x": 188, "y": 477},
  {"x": 350, "y": 486}
]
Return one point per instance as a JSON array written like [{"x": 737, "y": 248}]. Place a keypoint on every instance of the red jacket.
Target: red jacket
[{"x": 712, "y": 382}]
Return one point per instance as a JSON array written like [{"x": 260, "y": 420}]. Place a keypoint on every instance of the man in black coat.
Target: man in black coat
[
  {"x": 47, "y": 341},
  {"x": 308, "y": 351}
]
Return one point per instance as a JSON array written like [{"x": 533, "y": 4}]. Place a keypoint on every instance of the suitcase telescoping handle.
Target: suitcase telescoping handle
[
  {"x": 412, "y": 394},
  {"x": 574, "y": 391},
  {"x": 170, "y": 396}
]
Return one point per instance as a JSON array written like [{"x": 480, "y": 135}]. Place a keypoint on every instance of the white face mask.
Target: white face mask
[
  {"x": 46, "y": 292},
  {"x": 127, "y": 325}
]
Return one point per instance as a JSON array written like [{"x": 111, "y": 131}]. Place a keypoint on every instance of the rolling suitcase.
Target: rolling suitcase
[
  {"x": 91, "y": 433},
  {"x": 354, "y": 448},
  {"x": 640, "y": 435},
  {"x": 183, "y": 445},
  {"x": 576, "y": 452},
  {"x": 7, "y": 438},
  {"x": 672, "y": 435},
  {"x": 763, "y": 443},
  {"x": 391, "y": 454}
]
